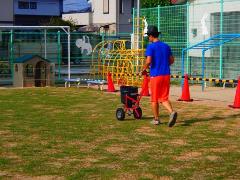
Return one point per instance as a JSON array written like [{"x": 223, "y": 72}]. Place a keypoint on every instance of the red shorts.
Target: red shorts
[{"x": 160, "y": 86}]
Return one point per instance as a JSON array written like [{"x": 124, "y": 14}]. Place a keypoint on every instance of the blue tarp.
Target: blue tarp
[{"x": 76, "y": 6}]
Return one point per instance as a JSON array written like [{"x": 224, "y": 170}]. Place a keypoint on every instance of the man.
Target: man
[{"x": 159, "y": 59}]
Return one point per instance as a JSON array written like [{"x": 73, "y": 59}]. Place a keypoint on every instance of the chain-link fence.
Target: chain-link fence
[
  {"x": 52, "y": 46},
  {"x": 185, "y": 25},
  {"x": 181, "y": 26}
]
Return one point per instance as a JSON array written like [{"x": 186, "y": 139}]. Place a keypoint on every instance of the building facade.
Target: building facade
[
  {"x": 112, "y": 16},
  {"x": 6, "y": 13},
  {"x": 30, "y": 12},
  {"x": 34, "y": 12}
]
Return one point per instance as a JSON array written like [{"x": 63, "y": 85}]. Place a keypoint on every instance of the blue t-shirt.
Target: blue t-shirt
[{"x": 160, "y": 53}]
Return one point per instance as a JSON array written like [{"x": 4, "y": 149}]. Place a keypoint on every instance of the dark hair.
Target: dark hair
[
  {"x": 155, "y": 35},
  {"x": 153, "y": 30}
]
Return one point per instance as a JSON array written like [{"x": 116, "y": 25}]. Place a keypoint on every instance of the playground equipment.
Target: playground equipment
[
  {"x": 213, "y": 42},
  {"x": 116, "y": 57}
]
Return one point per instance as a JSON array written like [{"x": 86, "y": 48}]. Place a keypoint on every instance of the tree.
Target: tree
[
  {"x": 56, "y": 21},
  {"x": 154, "y": 3}
]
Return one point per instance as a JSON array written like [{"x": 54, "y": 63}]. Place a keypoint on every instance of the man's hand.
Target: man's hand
[
  {"x": 171, "y": 60},
  {"x": 144, "y": 72}
]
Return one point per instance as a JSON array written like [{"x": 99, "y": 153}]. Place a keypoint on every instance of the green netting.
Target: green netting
[
  {"x": 172, "y": 23},
  {"x": 183, "y": 26},
  {"x": 15, "y": 44}
]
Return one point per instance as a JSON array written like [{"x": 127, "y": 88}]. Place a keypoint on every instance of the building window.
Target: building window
[
  {"x": 121, "y": 6},
  {"x": 27, "y": 5},
  {"x": 105, "y": 6},
  {"x": 33, "y": 5},
  {"x": 23, "y": 5}
]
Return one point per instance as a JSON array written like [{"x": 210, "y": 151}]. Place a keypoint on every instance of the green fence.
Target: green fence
[
  {"x": 181, "y": 27},
  {"x": 16, "y": 44},
  {"x": 194, "y": 22}
]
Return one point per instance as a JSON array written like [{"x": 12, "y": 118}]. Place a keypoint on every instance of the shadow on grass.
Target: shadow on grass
[{"x": 213, "y": 118}]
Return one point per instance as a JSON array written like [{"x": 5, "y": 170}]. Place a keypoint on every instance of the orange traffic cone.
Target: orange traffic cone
[
  {"x": 237, "y": 97},
  {"x": 185, "y": 91},
  {"x": 110, "y": 83},
  {"x": 145, "y": 89}
]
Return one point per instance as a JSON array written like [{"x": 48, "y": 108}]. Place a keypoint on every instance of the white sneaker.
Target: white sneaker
[{"x": 155, "y": 122}]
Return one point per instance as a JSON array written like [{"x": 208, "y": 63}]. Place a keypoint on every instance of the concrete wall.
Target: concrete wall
[
  {"x": 44, "y": 8},
  {"x": 6, "y": 12}
]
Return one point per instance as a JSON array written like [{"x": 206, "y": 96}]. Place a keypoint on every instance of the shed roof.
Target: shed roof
[{"x": 26, "y": 58}]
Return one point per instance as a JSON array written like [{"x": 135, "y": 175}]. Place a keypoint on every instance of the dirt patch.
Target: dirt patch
[
  {"x": 218, "y": 150},
  {"x": 127, "y": 176},
  {"x": 189, "y": 156},
  {"x": 218, "y": 125},
  {"x": 21, "y": 177},
  {"x": 137, "y": 176},
  {"x": 213, "y": 158},
  {"x": 115, "y": 149},
  {"x": 178, "y": 142},
  {"x": 111, "y": 166},
  {"x": 232, "y": 133},
  {"x": 9, "y": 144},
  {"x": 151, "y": 176},
  {"x": 12, "y": 156},
  {"x": 3, "y": 173},
  {"x": 83, "y": 146},
  {"x": 5, "y": 133},
  {"x": 25, "y": 177},
  {"x": 149, "y": 131}
]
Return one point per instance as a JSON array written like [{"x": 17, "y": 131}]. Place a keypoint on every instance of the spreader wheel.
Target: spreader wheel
[
  {"x": 120, "y": 114},
  {"x": 137, "y": 113}
]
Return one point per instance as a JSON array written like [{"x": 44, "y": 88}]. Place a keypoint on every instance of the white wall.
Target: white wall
[
  {"x": 79, "y": 18},
  {"x": 99, "y": 17},
  {"x": 199, "y": 9}
]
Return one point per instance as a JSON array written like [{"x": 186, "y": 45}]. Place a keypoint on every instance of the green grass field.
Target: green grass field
[{"x": 59, "y": 133}]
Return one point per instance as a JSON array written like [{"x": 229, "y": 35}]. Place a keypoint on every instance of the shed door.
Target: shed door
[{"x": 40, "y": 74}]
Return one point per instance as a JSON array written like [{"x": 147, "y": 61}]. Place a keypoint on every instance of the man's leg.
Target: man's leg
[
  {"x": 173, "y": 114},
  {"x": 155, "y": 108},
  {"x": 168, "y": 106}
]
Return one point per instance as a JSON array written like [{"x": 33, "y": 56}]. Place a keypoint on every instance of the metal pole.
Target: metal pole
[
  {"x": 188, "y": 26},
  {"x": 138, "y": 22},
  {"x": 203, "y": 67},
  {"x": 69, "y": 54},
  {"x": 11, "y": 54},
  {"x": 221, "y": 48},
  {"x": 183, "y": 53},
  {"x": 159, "y": 18},
  {"x": 45, "y": 43},
  {"x": 138, "y": 28},
  {"x": 59, "y": 54},
  {"x": 133, "y": 38}
]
